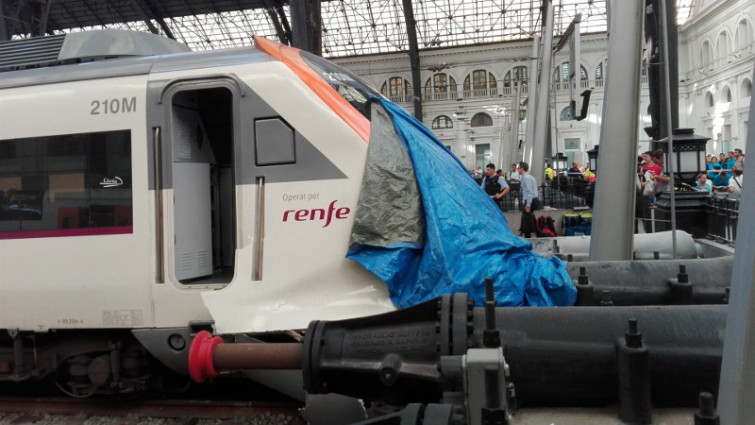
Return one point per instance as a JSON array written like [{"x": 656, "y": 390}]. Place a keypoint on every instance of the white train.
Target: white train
[{"x": 148, "y": 192}]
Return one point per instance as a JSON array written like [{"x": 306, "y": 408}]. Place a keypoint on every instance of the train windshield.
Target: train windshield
[{"x": 346, "y": 83}]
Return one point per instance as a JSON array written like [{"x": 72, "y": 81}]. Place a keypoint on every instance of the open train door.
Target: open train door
[{"x": 194, "y": 177}]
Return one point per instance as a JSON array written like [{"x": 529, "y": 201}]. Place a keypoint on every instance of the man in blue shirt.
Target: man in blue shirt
[
  {"x": 494, "y": 185},
  {"x": 530, "y": 201}
]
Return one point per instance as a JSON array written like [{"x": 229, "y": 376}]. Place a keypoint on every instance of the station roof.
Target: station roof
[{"x": 349, "y": 27}]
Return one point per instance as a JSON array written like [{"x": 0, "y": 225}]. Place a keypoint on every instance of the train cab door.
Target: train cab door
[{"x": 195, "y": 176}]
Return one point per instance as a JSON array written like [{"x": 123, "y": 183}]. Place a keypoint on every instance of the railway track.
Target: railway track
[{"x": 66, "y": 411}]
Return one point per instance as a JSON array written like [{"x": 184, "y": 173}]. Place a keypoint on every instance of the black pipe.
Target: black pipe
[
  {"x": 647, "y": 282},
  {"x": 566, "y": 356},
  {"x": 557, "y": 356}
]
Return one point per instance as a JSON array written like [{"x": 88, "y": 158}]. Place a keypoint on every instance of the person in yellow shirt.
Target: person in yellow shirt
[
  {"x": 589, "y": 175},
  {"x": 548, "y": 171}
]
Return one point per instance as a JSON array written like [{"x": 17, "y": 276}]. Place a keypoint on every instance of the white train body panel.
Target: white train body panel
[
  {"x": 280, "y": 241},
  {"x": 63, "y": 282}
]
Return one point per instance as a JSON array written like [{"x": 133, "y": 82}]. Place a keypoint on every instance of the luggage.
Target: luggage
[
  {"x": 545, "y": 227},
  {"x": 569, "y": 222},
  {"x": 586, "y": 223},
  {"x": 573, "y": 224}
]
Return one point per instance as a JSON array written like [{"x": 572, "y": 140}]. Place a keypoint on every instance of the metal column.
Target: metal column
[
  {"x": 306, "y": 25},
  {"x": 531, "y": 103},
  {"x": 613, "y": 227},
  {"x": 4, "y": 33},
  {"x": 737, "y": 386},
  {"x": 514, "y": 138},
  {"x": 537, "y": 165},
  {"x": 411, "y": 33}
]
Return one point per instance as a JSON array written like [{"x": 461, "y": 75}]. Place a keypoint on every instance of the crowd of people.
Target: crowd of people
[
  {"x": 724, "y": 175},
  {"x": 726, "y": 178}
]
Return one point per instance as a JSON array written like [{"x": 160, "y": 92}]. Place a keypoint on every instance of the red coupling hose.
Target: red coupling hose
[{"x": 200, "y": 356}]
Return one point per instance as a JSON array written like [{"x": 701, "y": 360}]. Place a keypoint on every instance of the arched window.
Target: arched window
[
  {"x": 726, "y": 95},
  {"x": 722, "y": 47},
  {"x": 709, "y": 100},
  {"x": 440, "y": 86},
  {"x": 480, "y": 83},
  {"x": 481, "y": 119},
  {"x": 564, "y": 77},
  {"x": 746, "y": 88},
  {"x": 706, "y": 53},
  {"x": 600, "y": 71},
  {"x": 557, "y": 73},
  {"x": 565, "y": 114},
  {"x": 442, "y": 121},
  {"x": 521, "y": 71},
  {"x": 744, "y": 34},
  {"x": 397, "y": 89}
]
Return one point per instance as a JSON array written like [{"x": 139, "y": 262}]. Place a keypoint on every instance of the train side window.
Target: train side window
[
  {"x": 66, "y": 185},
  {"x": 274, "y": 142}
]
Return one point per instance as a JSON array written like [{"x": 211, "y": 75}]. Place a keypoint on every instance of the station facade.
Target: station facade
[{"x": 468, "y": 92}]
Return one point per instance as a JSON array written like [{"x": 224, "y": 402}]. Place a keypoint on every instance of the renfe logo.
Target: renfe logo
[{"x": 318, "y": 214}]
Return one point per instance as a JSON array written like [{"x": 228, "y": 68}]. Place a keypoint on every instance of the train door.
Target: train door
[{"x": 196, "y": 154}]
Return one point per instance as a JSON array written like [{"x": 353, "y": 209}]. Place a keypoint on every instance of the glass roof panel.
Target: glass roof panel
[{"x": 361, "y": 27}]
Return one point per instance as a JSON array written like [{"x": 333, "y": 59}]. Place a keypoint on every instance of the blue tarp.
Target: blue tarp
[{"x": 464, "y": 238}]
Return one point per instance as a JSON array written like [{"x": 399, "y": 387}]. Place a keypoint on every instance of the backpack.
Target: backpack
[
  {"x": 586, "y": 223},
  {"x": 545, "y": 227},
  {"x": 570, "y": 222}
]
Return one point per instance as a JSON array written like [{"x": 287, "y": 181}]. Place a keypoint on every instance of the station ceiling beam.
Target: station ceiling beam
[
  {"x": 411, "y": 33},
  {"x": 306, "y": 30},
  {"x": 274, "y": 9}
]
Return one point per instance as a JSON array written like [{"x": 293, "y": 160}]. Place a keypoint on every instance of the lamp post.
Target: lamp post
[
  {"x": 592, "y": 155},
  {"x": 688, "y": 157},
  {"x": 559, "y": 161},
  {"x": 684, "y": 210}
]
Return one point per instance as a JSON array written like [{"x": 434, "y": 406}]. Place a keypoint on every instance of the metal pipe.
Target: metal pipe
[
  {"x": 575, "y": 362},
  {"x": 159, "y": 258},
  {"x": 737, "y": 380},
  {"x": 514, "y": 123},
  {"x": 537, "y": 166},
  {"x": 557, "y": 356},
  {"x": 612, "y": 226},
  {"x": 531, "y": 102},
  {"x": 669, "y": 130},
  {"x": 250, "y": 356}
]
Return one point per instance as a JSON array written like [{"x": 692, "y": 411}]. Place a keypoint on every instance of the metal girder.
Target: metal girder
[
  {"x": 161, "y": 21},
  {"x": 284, "y": 19},
  {"x": 653, "y": 30},
  {"x": 40, "y": 12},
  {"x": 32, "y": 16},
  {"x": 275, "y": 11},
  {"x": 4, "y": 34},
  {"x": 307, "y": 25},
  {"x": 542, "y": 130},
  {"x": 140, "y": 11},
  {"x": 411, "y": 32},
  {"x": 612, "y": 225},
  {"x": 737, "y": 385}
]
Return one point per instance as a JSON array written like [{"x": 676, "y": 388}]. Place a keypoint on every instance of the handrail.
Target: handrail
[{"x": 160, "y": 262}]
